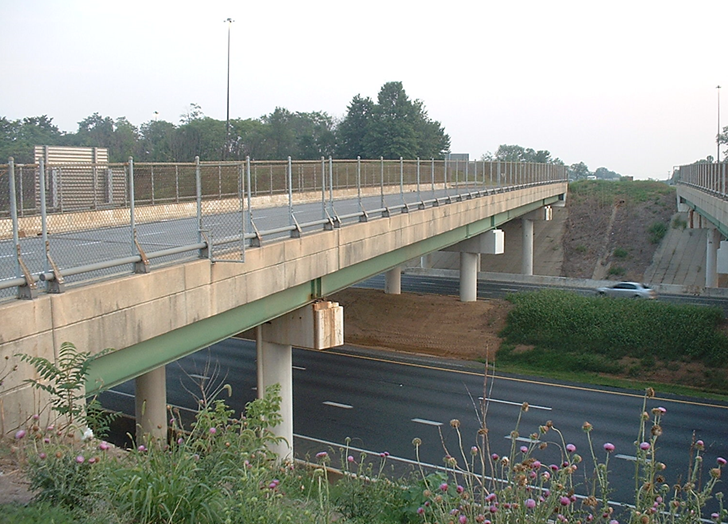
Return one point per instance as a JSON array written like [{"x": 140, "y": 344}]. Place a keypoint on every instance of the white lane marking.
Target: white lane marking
[
  {"x": 626, "y": 457},
  {"x": 154, "y": 233},
  {"x": 22, "y": 254},
  {"x": 426, "y": 422},
  {"x": 510, "y": 403},
  {"x": 299, "y": 367},
  {"x": 523, "y": 439},
  {"x": 338, "y": 405},
  {"x": 129, "y": 395},
  {"x": 198, "y": 377},
  {"x": 509, "y": 289},
  {"x": 88, "y": 243}
]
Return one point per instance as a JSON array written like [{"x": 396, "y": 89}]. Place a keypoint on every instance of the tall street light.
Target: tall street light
[
  {"x": 227, "y": 117},
  {"x": 717, "y": 138}
]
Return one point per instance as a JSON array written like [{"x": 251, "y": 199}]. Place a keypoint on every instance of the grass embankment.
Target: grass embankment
[{"x": 560, "y": 333}]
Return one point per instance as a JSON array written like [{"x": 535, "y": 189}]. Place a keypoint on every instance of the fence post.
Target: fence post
[
  {"x": 401, "y": 180},
  {"x": 132, "y": 223},
  {"x": 419, "y": 198},
  {"x": 43, "y": 211},
  {"x": 381, "y": 183},
  {"x": 432, "y": 174},
  {"x": 250, "y": 198},
  {"x": 289, "y": 176},
  {"x": 14, "y": 212},
  {"x": 323, "y": 188},
  {"x": 358, "y": 182},
  {"x": 331, "y": 185},
  {"x": 198, "y": 192}
]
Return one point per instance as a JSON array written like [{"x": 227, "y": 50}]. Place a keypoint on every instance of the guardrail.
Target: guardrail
[
  {"x": 67, "y": 224},
  {"x": 710, "y": 178}
]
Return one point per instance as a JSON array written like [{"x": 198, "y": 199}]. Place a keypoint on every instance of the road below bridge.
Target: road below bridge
[{"x": 382, "y": 400}]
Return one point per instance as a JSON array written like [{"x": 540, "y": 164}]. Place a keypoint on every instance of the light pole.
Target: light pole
[
  {"x": 717, "y": 138},
  {"x": 227, "y": 116}
]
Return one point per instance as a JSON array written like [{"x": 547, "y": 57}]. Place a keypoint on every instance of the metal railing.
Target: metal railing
[
  {"x": 67, "y": 224},
  {"x": 710, "y": 178}
]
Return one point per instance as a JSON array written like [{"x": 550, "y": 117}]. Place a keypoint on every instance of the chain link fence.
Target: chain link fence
[{"x": 67, "y": 224}]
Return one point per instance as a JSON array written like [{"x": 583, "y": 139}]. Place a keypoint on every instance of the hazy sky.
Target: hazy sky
[{"x": 628, "y": 85}]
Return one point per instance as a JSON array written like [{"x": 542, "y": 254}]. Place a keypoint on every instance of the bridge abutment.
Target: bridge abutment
[{"x": 393, "y": 281}]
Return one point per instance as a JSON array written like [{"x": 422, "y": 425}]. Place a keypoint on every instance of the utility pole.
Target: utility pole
[{"x": 227, "y": 115}]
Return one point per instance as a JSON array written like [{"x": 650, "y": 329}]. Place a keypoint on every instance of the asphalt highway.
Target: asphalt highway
[{"x": 382, "y": 400}]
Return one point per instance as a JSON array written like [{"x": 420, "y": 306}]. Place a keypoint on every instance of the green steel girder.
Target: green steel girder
[
  {"x": 723, "y": 228},
  {"x": 122, "y": 365}
]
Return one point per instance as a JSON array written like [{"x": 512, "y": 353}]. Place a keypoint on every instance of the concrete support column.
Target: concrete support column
[
  {"x": 711, "y": 258},
  {"x": 150, "y": 401},
  {"x": 275, "y": 366},
  {"x": 469, "y": 263},
  {"x": 393, "y": 281},
  {"x": 426, "y": 261},
  {"x": 527, "y": 261}
]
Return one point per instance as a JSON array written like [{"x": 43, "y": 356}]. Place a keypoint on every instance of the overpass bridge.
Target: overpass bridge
[
  {"x": 239, "y": 246},
  {"x": 703, "y": 192}
]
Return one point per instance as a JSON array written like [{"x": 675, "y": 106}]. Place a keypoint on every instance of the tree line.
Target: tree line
[{"x": 392, "y": 127}]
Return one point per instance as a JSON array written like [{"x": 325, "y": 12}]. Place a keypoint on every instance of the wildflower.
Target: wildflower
[
  {"x": 455, "y": 423},
  {"x": 80, "y": 459},
  {"x": 42, "y": 456},
  {"x": 420, "y": 511},
  {"x": 645, "y": 446},
  {"x": 474, "y": 450},
  {"x": 20, "y": 434},
  {"x": 46, "y": 440},
  {"x": 656, "y": 430},
  {"x": 570, "y": 448},
  {"x": 524, "y": 449},
  {"x": 536, "y": 464},
  {"x": 545, "y": 475},
  {"x": 87, "y": 434},
  {"x": 322, "y": 455},
  {"x": 564, "y": 501},
  {"x": 104, "y": 446},
  {"x": 613, "y": 521},
  {"x": 213, "y": 431},
  {"x": 530, "y": 503},
  {"x": 416, "y": 441},
  {"x": 459, "y": 489},
  {"x": 700, "y": 444},
  {"x": 586, "y": 427},
  {"x": 443, "y": 486},
  {"x": 180, "y": 441},
  {"x": 721, "y": 461},
  {"x": 608, "y": 447},
  {"x": 650, "y": 392},
  {"x": 462, "y": 519},
  {"x": 495, "y": 456},
  {"x": 554, "y": 467},
  {"x": 714, "y": 516},
  {"x": 491, "y": 497},
  {"x": 92, "y": 460},
  {"x": 493, "y": 509},
  {"x": 350, "y": 459},
  {"x": 715, "y": 473},
  {"x": 142, "y": 448}
]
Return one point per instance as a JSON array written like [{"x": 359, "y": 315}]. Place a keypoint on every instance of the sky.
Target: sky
[{"x": 630, "y": 85}]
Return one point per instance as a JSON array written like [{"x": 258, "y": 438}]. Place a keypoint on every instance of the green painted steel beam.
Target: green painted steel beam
[
  {"x": 117, "y": 367},
  {"x": 723, "y": 228}
]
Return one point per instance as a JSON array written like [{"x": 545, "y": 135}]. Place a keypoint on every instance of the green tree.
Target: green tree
[
  {"x": 18, "y": 137},
  {"x": 578, "y": 171},
  {"x": 156, "y": 139},
  {"x": 353, "y": 129}
]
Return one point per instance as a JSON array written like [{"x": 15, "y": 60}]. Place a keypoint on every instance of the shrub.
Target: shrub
[
  {"x": 620, "y": 253},
  {"x": 657, "y": 232}
]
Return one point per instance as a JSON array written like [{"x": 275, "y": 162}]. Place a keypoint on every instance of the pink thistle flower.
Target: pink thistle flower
[
  {"x": 213, "y": 431},
  {"x": 493, "y": 509},
  {"x": 142, "y": 448},
  {"x": 20, "y": 434},
  {"x": 495, "y": 456},
  {"x": 530, "y": 503},
  {"x": 645, "y": 446},
  {"x": 721, "y": 461},
  {"x": 420, "y": 511},
  {"x": 491, "y": 497},
  {"x": 524, "y": 449},
  {"x": 554, "y": 467},
  {"x": 104, "y": 446},
  {"x": 608, "y": 447},
  {"x": 80, "y": 459},
  {"x": 613, "y": 521},
  {"x": 462, "y": 519},
  {"x": 443, "y": 486},
  {"x": 459, "y": 489},
  {"x": 564, "y": 501},
  {"x": 322, "y": 455},
  {"x": 350, "y": 458},
  {"x": 180, "y": 441},
  {"x": 545, "y": 475},
  {"x": 570, "y": 448},
  {"x": 42, "y": 456}
]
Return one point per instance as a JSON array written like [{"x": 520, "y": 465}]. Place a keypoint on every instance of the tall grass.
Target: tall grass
[{"x": 595, "y": 332}]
